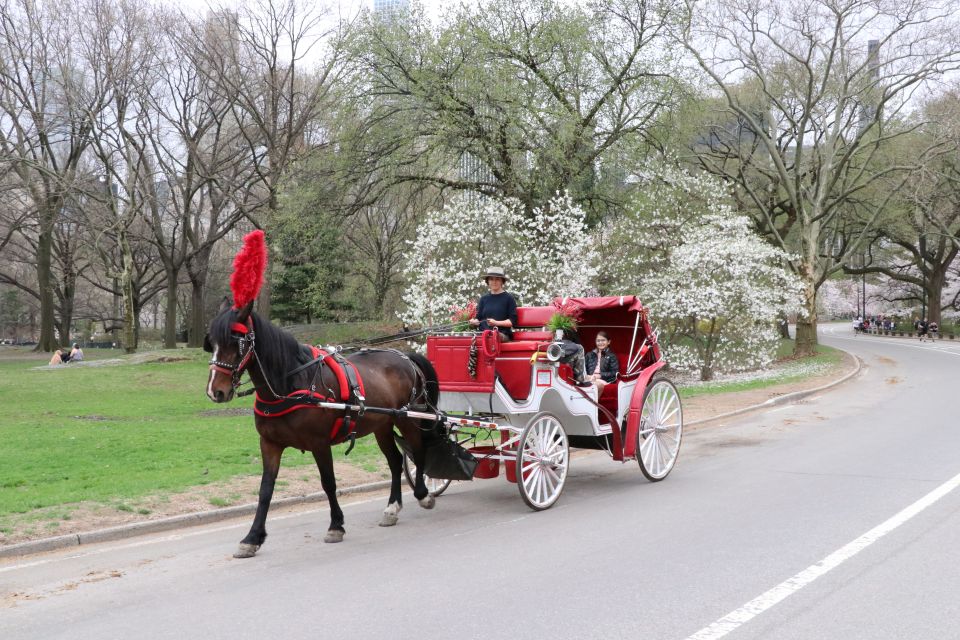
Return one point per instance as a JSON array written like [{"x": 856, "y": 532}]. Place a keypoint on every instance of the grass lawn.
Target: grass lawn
[
  {"x": 786, "y": 369},
  {"x": 122, "y": 431}
]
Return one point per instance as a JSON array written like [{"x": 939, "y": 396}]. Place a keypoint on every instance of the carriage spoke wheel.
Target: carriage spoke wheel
[
  {"x": 435, "y": 486},
  {"x": 661, "y": 428},
  {"x": 543, "y": 457}
]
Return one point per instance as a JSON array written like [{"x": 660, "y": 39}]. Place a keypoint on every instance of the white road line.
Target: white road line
[{"x": 765, "y": 601}]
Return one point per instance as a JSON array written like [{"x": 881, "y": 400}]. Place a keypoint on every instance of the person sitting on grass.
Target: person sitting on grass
[{"x": 76, "y": 353}]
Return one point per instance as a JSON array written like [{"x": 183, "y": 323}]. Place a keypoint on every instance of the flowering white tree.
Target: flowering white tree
[
  {"x": 716, "y": 285},
  {"x": 545, "y": 255}
]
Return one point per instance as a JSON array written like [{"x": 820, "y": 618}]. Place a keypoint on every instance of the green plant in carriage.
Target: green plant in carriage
[{"x": 566, "y": 317}]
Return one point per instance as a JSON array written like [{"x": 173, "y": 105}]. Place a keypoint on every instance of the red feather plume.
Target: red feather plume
[{"x": 248, "y": 269}]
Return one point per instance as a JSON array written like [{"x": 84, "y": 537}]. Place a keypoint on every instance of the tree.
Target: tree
[
  {"x": 47, "y": 107},
  {"x": 807, "y": 105},
  {"x": 546, "y": 255},
  {"x": 275, "y": 92},
  {"x": 716, "y": 285},
  {"x": 521, "y": 100},
  {"x": 916, "y": 242}
]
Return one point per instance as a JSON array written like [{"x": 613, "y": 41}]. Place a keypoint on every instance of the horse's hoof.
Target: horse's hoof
[
  {"x": 246, "y": 550},
  {"x": 428, "y": 503},
  {"x": 333, "y": 535},
  {"x": 389, "y": 519},
  {"x": 391, "y": 515}
]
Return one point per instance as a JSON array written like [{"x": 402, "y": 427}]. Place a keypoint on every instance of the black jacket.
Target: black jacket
[{"x": 609, "y": 365}]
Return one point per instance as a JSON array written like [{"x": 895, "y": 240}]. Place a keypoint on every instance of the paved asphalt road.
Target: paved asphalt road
[{"x": 734, "y": 534}]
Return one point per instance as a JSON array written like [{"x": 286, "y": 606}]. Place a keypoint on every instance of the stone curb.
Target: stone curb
[
  {"x": 166, "y": 524},
  {"x": 207, "y": 517},
  {"x": 786, "y": 398}
]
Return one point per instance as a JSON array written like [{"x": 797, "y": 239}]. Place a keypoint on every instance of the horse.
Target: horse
[{"x": 242, "y": 341}]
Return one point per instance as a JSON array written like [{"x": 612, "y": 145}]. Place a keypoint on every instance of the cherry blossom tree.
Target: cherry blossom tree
[
  {"x": 546, "y": 254},
  {"x": 713, "y": 283}
]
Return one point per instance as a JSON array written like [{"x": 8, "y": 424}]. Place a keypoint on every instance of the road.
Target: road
[{"x": 836, "y": 517}]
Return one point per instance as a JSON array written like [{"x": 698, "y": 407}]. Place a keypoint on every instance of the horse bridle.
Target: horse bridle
[{"x": 245, "y": 339}]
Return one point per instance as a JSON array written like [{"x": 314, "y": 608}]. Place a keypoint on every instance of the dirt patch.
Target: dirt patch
[
  {"x": 893, "y": 380},
  {"x": 90, "y": 516},
  {"x": 885, "y": 360},
  {"x": 234, "y": 411},
  {"x": 709, "y": 405}
]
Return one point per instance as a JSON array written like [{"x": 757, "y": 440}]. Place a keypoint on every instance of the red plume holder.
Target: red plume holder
[{"x": 248, "y": 269}]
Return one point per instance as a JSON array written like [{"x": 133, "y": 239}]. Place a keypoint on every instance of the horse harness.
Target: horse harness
[
  {"x": 351, "y": 393},
  {"x": 351, "y": 390}
]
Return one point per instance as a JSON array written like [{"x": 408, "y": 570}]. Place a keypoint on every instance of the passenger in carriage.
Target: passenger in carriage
[
  {"x": 602, "y": 363},
  {"x": 497, "y": 309}
]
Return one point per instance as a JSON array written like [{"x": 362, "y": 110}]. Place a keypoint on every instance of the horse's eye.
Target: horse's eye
[{"x": 207, "y": 346}]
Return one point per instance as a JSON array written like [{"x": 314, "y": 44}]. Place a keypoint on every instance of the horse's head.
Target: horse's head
[{"x": 231, "y": 341}]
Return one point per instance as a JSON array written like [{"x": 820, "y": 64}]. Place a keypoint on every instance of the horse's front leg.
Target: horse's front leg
[
  {"x": 324, "y": 458},
  {"x": 395, "y": 460},
  {"x": 271, "y": 454}
]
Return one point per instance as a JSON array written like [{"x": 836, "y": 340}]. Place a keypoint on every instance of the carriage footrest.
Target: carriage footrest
[{"x": 446, "y": 460}]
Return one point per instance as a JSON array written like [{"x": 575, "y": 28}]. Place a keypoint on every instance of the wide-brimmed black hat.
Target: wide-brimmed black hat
[{"x": 495, "y": 272}]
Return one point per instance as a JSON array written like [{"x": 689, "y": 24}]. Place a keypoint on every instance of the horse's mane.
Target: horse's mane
[{"x": 278, "y": 351}]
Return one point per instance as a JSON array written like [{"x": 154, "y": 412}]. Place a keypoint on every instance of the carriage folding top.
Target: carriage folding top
[{"x": 518, "y": 389}]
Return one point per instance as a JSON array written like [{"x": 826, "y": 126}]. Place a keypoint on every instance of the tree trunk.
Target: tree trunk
[
  {"x": 783, "y": 326},
  {"x": 48, "y": 341},
  {"x": 66, "y": 306},
  {"x": 935, "y": 292},
  {"x": 170, "y": 312},
  {"x": 198, "y": 325},
  {"x": 806, "y": 344},
  {"x": 129, "y": 306}
]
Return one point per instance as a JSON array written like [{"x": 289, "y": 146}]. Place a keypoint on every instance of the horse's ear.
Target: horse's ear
[
  {"x": 244, "y": 312},
  {"x": 224, "y": 305},
  {"x": 207, "y": 345}
]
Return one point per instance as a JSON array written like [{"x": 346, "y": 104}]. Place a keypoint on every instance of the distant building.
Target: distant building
[{"x": 390, "y": 6}]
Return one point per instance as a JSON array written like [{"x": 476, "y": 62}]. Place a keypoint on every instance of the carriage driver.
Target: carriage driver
[{"x": 497, "y": 309}]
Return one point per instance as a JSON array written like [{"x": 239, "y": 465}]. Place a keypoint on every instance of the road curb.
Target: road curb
[
  {"x": 787, "y": 398},
  {"x": 166, "y": 524}
]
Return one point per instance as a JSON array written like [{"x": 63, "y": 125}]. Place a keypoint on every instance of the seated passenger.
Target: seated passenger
[
  {"x": 497, "y": 309},
  {"x": 602, "y": 363}
]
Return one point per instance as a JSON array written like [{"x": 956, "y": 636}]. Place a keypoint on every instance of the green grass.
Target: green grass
[
  {"x": 118, "y": 433},
  {"x": 789, "y": 370}
]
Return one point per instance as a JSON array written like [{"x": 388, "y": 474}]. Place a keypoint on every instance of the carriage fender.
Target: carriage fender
[{"x": 636, "y": 404}]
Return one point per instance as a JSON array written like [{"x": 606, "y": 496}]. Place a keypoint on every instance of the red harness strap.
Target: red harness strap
[{"x": 306, "y": 399}]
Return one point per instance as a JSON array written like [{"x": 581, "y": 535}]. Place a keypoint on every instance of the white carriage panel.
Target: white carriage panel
[
  {"x": 624, "y": 395},
  {"x": 461, "y": 402}
]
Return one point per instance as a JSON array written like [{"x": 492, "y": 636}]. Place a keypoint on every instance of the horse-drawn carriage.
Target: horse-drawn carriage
[
  {"x": 519, "y": 394},
  {"x": 517, "y": 405}
]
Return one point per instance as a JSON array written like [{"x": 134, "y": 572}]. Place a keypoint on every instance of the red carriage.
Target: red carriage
[{"x": 518, "y": 407}]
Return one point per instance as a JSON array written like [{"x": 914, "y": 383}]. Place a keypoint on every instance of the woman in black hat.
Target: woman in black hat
[{"x": 497, "y": 309}]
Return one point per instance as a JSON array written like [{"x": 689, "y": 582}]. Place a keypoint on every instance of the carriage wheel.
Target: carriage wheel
[
  {"x": 661, "y": 428},
  {"x": 543, "y": 458},
  {"x": 435, "y": 486}
]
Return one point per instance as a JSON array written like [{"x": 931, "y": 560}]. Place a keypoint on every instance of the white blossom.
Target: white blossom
[
  {"x": 714, "y": 284},
  {"x": 545, "y": 254}
]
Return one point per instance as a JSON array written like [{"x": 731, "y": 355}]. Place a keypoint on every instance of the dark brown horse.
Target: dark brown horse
[{"x": 241, "y": 341}]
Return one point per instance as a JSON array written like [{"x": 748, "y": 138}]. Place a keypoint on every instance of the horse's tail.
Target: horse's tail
[
  {"x": 431, "y": 389},
  {"x": 431, "y": 385}
]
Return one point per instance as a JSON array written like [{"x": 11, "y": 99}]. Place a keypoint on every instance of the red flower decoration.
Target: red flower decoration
[{"x": 248, "y": 269}]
